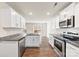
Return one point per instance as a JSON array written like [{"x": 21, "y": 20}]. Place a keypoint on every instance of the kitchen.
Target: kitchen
[{"x": 39, "y": 29}]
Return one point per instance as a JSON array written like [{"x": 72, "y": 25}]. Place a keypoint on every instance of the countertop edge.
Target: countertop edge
[{"x": 18, "y": 38}]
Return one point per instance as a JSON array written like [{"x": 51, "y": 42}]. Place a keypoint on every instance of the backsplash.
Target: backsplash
[
  {"x": 74, "y": 30},
  {"x": 9, "y": 32}
]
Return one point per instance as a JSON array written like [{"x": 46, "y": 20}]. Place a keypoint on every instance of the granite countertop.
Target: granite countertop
[
  {"x": 75, "y": 43},
  {"x": 31, "y": 34},
  {"x": 15, "y": 37}
]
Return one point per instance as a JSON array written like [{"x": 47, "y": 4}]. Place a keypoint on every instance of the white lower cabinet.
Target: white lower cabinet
[
  {"x": 32, "y": 41},
  {"x": 51, "y": 40},
  {"x": 9, "y": 49},
  {"x": 71, "y": 50}
]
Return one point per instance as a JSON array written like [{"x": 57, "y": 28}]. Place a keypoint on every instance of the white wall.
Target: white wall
[
  {"x": 37, "y": 26},
  {"x": 47, "y": 20}
]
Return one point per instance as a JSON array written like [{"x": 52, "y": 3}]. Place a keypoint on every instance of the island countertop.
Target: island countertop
[{"x": 31, "y": 34}]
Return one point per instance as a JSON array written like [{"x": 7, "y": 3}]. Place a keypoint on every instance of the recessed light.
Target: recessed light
[
  {"x": 30, "y": 13},
  {"x": 48, "y": 13}
]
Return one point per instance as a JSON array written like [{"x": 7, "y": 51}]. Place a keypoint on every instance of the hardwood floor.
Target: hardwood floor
[{"x": 45, "y": 50}]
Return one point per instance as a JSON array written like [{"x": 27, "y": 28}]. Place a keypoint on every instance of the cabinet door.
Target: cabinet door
[
  {"x": 22, "y": 22},
  {"x": 71, "y": 50},
  {"x": 8, "y": 49},
  {"x": 77, "y": 15},
  {"x": 13, "y": 18},
  {"x": 36, "y": 41},
  {"x": 5, "y": 17},
  {"x": 32, "y": 41},
  {"x": 51, "y": 40},
  {"x": 57, "y": 23},
  {"x": 27, "y": 41},
  {"x": 18, "y": 21},
  {"x": 17, "y": 18}
]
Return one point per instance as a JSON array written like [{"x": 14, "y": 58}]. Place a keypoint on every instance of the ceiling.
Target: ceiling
[{"x": 38, "y": 10}]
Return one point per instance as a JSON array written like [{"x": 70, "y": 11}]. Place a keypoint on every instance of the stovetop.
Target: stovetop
[{"x": 71, "y": 36}]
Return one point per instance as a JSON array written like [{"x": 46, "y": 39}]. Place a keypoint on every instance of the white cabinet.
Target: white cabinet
[
  {"x": 10, "y": 18},
  {"x": 72, "y": 9},
  {"x": 22, "y": 22},
  {"x": 56, "y": 22},
  {"x": 33, "y": 41},
  {"x": 71, "y": 50},
  {"x": 76, "y": 15},
  {"x": 12, "y": 48},
  {"x": 18, "y": 21},
  {"x": 9, "y": 49},
  {"x": 5, "y": 16},
  {"x": 15, "y": 19},
  {"x": 51, "y": 40},
  {"x": 67, "y": 12}
]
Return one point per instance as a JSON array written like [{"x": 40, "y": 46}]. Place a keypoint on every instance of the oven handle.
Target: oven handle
[{"x": 59, "y": 40}]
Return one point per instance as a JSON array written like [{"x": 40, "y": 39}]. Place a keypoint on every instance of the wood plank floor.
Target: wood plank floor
[{"x": 45, "y": 50}]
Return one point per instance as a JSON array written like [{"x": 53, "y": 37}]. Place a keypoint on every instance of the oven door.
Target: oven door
[{"x": 60, "y": 47}]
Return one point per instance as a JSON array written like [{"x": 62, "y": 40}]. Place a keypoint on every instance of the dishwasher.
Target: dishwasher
[{"x": 21, "y": 45}]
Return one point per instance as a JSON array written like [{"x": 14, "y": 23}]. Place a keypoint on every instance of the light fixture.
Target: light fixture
[
  {"x": 30, "y": 13},
  {"x": 48, "y": 13}
]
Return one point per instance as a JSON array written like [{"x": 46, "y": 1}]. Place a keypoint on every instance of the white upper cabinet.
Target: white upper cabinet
[
  {"x": 13, "y": 19},
  {"x": 57, "y": 22},
  {"x": 77, "y": 15},
  {"x": 18, "y": 20},
  {"x": 5, "y": 17},
  {"x": 71, "y": 10},
  {"x": 10, "y": 18},
  {"x": 67, "y": 12},
  {"x": 22, "y": 22}
]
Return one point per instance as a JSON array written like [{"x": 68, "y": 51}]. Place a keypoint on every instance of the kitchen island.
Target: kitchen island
[
  {"x": 12, "y": 45},
  {"x": 33, "y": 40}
]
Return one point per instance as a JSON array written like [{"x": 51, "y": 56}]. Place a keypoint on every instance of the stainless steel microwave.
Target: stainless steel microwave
[
  {"x": 63, "y": 24},
  {"x": 70, "y": 22}
]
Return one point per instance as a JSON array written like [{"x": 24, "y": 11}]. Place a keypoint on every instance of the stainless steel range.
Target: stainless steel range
[
  {"x": 71, "y": 36},
  {"x": 60, "y": 42},
  {"x": 60, "y": 47}
]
